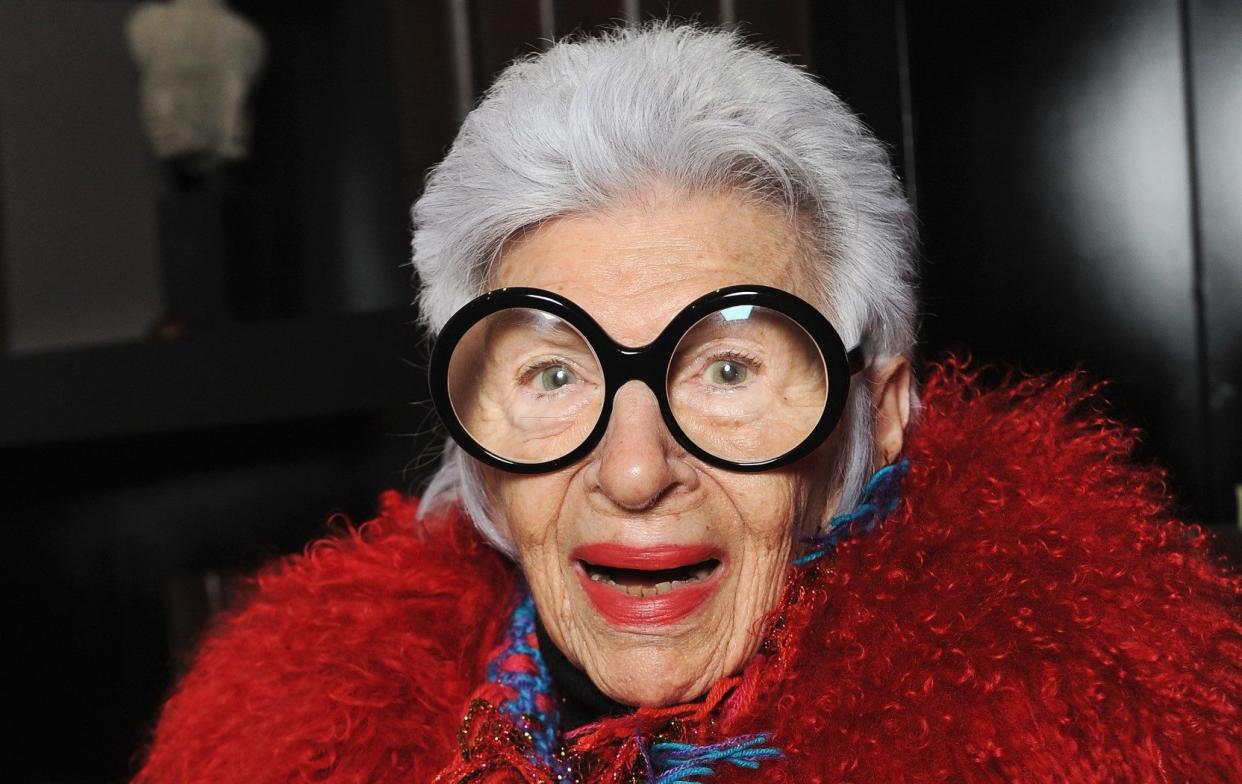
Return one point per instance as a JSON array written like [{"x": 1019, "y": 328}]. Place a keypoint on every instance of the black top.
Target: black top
[{"x": 579, "y": 700}]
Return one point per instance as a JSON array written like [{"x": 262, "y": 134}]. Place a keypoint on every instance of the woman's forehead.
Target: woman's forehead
[{"x": 633, "y": 267}]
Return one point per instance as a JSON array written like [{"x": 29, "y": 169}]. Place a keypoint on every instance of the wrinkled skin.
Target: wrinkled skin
[{"x": 633, "y": 268}]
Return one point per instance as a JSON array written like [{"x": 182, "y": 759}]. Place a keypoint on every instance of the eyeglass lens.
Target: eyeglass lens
[{"x": 745, "y": 383}]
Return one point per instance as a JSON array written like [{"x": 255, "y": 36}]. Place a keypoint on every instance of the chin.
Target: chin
[{"x": 654, "y": 674}]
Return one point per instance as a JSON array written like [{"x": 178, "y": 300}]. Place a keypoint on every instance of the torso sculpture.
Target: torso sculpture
[{"x": 199, "y": 60}]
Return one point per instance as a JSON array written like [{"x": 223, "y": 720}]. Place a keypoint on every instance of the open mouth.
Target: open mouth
[
  {"x": 649, "y": 586},
  {"x": 650, "y": 582}
]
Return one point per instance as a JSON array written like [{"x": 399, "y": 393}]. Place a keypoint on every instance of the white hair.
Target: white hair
[{"x": 594, "y": 121}]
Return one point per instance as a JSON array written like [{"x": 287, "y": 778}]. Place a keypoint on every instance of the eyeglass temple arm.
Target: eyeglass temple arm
[{"x": 856, "y": 359}]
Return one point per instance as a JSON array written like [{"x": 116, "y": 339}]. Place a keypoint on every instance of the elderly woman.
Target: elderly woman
[{"x": 694, "y": 520}]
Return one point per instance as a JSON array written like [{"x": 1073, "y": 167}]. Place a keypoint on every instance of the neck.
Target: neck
[{"x": 581, "y": 701}]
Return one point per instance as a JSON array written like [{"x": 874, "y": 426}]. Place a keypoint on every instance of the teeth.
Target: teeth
[{"x": 650, "y": 590}]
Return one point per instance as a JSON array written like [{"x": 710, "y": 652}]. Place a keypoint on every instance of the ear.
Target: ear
[{"x": 890, "y": 389}]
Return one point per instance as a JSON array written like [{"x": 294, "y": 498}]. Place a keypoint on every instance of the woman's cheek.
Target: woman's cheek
[
  {"x": 531, "y": 506},
  {"x": 770, "y": 507}
]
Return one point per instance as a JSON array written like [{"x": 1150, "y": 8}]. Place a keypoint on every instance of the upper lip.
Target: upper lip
[{"x": 649, "y": 557}]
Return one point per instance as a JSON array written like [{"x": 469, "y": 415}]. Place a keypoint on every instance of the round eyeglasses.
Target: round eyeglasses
[{"x": 748, "y": 378}]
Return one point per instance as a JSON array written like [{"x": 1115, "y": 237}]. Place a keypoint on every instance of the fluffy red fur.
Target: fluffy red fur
[{"x": 1032, "y": 612}]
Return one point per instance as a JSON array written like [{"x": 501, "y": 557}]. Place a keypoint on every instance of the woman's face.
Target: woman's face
[{"x": 639, "y": 515}]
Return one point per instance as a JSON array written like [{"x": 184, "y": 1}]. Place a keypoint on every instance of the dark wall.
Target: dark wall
[
  {"x": 140, "y": 477},
  {"x": 1213, "y": 30},
  {"x": 1075, "y": 172},
  {"x": 315, "y": 220},
  {"x": 76, "y": 180},
  {"x": 1070, "y": 239}
]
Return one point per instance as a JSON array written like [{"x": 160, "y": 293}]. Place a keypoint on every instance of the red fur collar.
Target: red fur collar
[{"x": 1031, "y": 612}]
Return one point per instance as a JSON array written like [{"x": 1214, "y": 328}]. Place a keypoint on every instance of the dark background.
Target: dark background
[{"x": 1076, "y": 168}]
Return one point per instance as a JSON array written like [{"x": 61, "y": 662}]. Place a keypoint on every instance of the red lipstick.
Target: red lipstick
[{"x": 626, "y": 609}]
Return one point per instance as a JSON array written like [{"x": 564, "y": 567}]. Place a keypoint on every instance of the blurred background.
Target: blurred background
[{"x": 208, "y": 347}]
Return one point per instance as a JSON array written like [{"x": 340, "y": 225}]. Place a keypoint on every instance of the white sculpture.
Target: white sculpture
[{"x": 198, "y": 59}]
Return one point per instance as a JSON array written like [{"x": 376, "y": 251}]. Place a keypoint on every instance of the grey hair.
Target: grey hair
[{"x": 594, "y": 121}]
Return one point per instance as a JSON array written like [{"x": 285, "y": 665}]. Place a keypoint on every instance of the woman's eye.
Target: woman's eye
[
  {"x": 728, "y": 372},
  {"x": 554, "y": 377}
]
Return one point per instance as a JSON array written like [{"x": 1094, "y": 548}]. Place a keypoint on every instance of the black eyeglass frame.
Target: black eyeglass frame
[{"x": 649, "y": 364}]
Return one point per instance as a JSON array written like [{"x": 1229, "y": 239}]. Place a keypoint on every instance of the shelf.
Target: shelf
[{"x": 275, "y": 371}]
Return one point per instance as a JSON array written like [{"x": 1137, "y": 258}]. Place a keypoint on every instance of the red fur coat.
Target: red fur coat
[{"x": 1030, "y": 613}]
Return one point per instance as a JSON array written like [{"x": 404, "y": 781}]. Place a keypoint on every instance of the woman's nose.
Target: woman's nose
[{"x": 638, "y": 462}]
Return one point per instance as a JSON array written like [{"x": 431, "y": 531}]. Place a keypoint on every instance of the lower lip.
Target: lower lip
[{"x": 623, "y": 609}]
